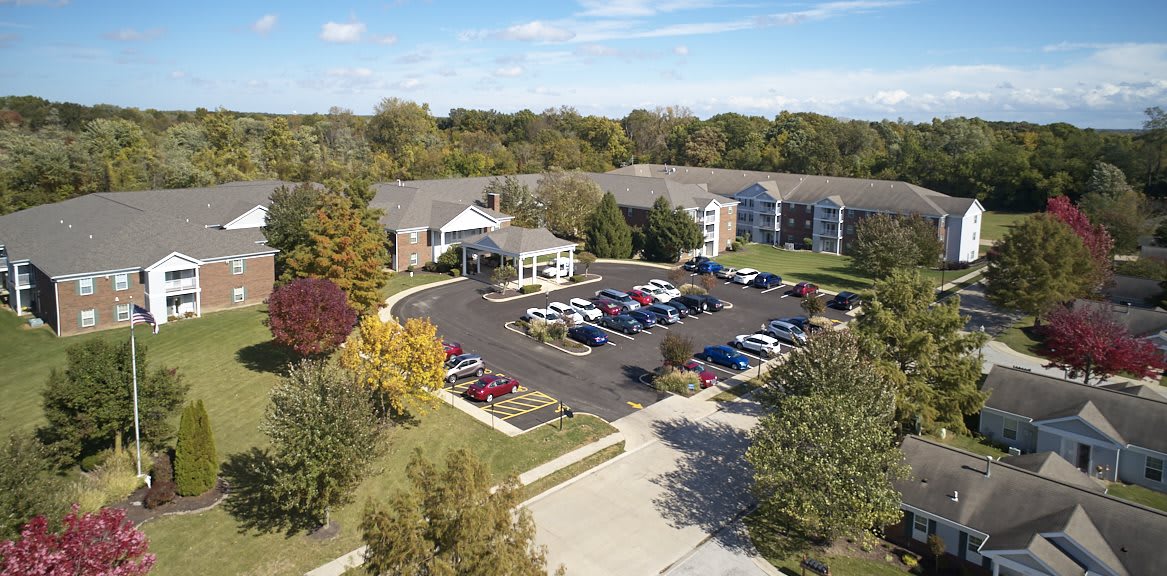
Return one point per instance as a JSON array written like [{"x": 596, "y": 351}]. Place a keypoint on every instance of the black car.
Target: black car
[
  {"x": 712, "y": 303},
  {"x": 682, "y": 310},
  {"x": 622, "y": 322},
  {"x": 694, "y": 263},
  {"x": 589, "y": 335},
  {"x": 647, "y": 319},
  {"x": 845, "y": 301},
  {"x": 698, "y": 303}
]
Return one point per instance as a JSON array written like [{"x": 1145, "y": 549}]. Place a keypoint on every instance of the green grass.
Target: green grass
[
  {"x": 996, "y": 225},
  {"x": 847, "y": 566},
  {"x": 829, "y": 271},
  {"x": 220, "y": 541},
  {"x": 1020, "y": 337},
  {"x": 970, "y": 444},
  {"x": 1139, "y": 495},
  {"x": 738, "y": 391},
  {"x": 401, "y": 281},
  {"x": 571, "y": 471}
]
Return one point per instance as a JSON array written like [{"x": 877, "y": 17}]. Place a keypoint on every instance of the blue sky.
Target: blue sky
[{"x": 1091, "y": 64}]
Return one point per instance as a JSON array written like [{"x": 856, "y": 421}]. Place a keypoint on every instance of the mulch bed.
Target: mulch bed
[{"x": 139, "y": 514}]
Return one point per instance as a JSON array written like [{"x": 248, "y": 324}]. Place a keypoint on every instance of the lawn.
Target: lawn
[
  {"x": 1139, "y": 495},
  {"x": 400, "y": 281},
  {"x": 996, "y": 225},
  {"x": 970, "y": 444},
  {"x": 829, "y": 271},
  {"x": 1020, "y": 337},
  {"x": 844, "y": 558}
]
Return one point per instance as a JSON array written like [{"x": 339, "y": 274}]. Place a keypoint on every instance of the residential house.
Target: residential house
[
  {"x": 80, "y": 264},
  {"x": 1029, "y": 515},
  {"x": 1148, "y": 324},
  {"x": 1110, "y": 434},
  {"x": 820, "y": 212}
]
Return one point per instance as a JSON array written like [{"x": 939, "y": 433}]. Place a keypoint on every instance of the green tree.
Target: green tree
[
  {"x": 1161, "y": 233},
  {"x": 324, "y": 435},
  {"x": 515, "y": 199},
  {"x": 345, "y": 246},
  {"x": 452, "y": 521},
  {"x": 196, "y": 463},
  {"x": 1040, "y": 263},
  {"x": 568, "y": 200},
  {"x": 1111, "y": 202},
  {"x": 825, "y": 458},
  {"x": 288, "y": 214},
  {"x": 812, "y": 305},
  {"x": 280, "y": 151},
  {"x": 28, "y": 484},
  {"x": 921, "y": 347},
  {"x": 675, "y": 349},
  {"x": 89, "y": 405},
  {"x": 608, "y": 234},
  {"x": 670, "y": 232},
  {"x": 884, "y": 244},
  {"x": 929, "y": 248},
  {"x": 404, "y": 129},
  {"x": 503, "y": 275},
  {"x": 586, "y": 259}
]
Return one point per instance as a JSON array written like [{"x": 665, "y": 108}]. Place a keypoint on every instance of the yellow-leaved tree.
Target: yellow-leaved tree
[{"x": 403, "y": 365}]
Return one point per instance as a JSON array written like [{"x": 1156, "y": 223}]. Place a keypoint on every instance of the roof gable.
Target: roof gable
[
  {"x": 1089, "y": 416},
  {"x": 256, "y": 217},
  {"x": 467, "y": 218},
  {"x": 174, "y": 261}
]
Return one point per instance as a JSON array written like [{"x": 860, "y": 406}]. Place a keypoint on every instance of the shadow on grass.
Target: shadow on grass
[
  {"x": 266, "y": 357},
  {"x": 253, "y": 503},
  {"x": 836, "y": 276},
  {"x": 772, "y": 537}
]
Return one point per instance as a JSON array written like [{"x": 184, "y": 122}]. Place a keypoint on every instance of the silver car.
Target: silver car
[{"x": 462, "y": 366}]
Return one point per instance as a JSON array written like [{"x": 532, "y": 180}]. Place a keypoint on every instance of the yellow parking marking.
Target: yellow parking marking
[{"x": 520, "y": 405}]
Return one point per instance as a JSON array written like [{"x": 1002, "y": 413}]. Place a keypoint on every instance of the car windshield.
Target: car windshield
[
  {"x": 452, "y": 362},
  {"x": 667, "y": 286},
  {"x": 795, "y": 329},
  {"x": 584, "y": 305}
]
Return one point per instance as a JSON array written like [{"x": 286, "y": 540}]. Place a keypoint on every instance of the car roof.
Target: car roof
[
  {"x": 846, "y": 294},
  {"x": 763, "y": 337},
  {"x": 783, "y": 322},
  {"x": 722, "y": 347},
  {"x": 461, "y": 357},
  {"x": 746, "y": 270}
]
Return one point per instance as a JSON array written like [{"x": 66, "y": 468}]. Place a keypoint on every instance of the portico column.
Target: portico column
[
  {"x": 463, "y": 259},
  {"x": 571, "y": 262},
  {"x": 519, "y": 261}
]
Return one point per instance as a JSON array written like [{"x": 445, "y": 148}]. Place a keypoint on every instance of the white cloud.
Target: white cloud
[
  {"x": 509, "y": 71},
  {"x": 597, "y": 50},
  {"x": 638, "y": 8},
  {"x": 342, "y": 33},
  {"x": 681, "y": 50},
  {"x": 409, "y": 84},
  {"x": 889, "y": 97},
  {"x": 537, "y": 31},
  {"x": 387, "y": 39},
  {"x": 265, "y": 24},
  {"x": 133, "y": 35},
  {"x": 350, "y": 72},
  {"x": 178, "y": 74}
]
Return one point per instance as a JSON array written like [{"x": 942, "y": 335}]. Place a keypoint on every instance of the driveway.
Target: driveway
[
  {"x": 647, "y": 510},
  {"x": 983, "y": 313}
]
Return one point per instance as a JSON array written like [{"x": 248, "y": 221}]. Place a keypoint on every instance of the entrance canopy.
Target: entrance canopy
[{"x": 521, "y": 244}]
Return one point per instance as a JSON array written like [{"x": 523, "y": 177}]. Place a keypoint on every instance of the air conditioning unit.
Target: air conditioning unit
[
  {"x": 789, "y": 245},
  {"x": 1014, "y": 451}
]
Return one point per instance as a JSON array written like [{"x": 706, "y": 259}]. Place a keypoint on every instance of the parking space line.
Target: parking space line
[
  {"x": 506, "y": 405},
  {"x": 706, "y": 312},
  {"x": 745, "y": 286},
  {"x": 611, "y": 343},
  {"x": 728, "y": 282},
  {"x": 612, "y": 331},
  {"x": 787, "y": 295},
  {"x": 774, "y": 288},
  {"x": 643, "y": 331}
]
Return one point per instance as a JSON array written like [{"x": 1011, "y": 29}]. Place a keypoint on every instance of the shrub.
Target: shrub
[
  {"x": 455, "y": 272},
  {"x": 114, "y": 480},
  {"x": 450, "y": 259},
  {"x": 538, "y": 330},
  {"x": 557, "y": 331},
  {"x": 162, "y": 489},
  {"x": 808, "y": 243},
  {"x": 676, "y": 382},
  {"x": 431, "y": 267},
  {"x": 911, "y": 560},
  {"x": 530, "y": 288},
  {"x": 692, "y": 289},
  {"x": 578, "y": 278},
  {"x": 676, "y": 349},
  {"x": 196, "y": 462},
  {"x": 94, "y": 461}
]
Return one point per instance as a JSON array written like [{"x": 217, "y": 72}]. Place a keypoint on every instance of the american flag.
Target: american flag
[{"x": 143, "y": 316}]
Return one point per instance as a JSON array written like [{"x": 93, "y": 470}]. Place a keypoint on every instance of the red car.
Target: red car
[
  {"x": 490, "y": 386},
  {"x": 608, "y": 307},
  {"x": 708, "y": 378},
  {"x": 641, "y": 296},
  {"x": 452, "y": 349},
  {"x": 804, "y": 289}
]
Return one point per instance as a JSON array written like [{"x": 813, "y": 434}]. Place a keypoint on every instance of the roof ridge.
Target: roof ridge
[{"x": 1079, "y": 384}]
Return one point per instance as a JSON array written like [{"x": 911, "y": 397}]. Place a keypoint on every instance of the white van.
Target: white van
[{"x": 557, "y": 268}]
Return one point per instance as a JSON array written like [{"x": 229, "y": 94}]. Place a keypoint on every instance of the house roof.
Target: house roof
[
  {"x": 1133, "y": 419},
  {"x": 514, "y": 240},
  {"x": 1137, "y": 321},
  {"x": 129, "y": 230},
  {"x": 1142, "y": 390},
  {"x": 1012, "y": 505},
  {"x": 408, "y": 207},
  {"x": 853, "y": 193},
  {"x": 1051, "y": 465}
]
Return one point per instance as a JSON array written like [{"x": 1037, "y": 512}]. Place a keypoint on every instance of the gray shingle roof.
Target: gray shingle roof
[
  {"x": 516, "y": 240},
  {"x": 1012, "y": 505},
  {"x": 1051, "y": 465},
  {"x": 130, "y": 230},
  {"x": 1137, "y": 321},
  {"x": 410, "y": 207},
  {"x": 1136, "y": 420}
]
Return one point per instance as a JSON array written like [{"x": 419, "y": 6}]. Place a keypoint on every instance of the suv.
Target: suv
[
  {"x": 708, "y": 267},
  {"x": 785, "y": 331},
  {"x": 701, "y": 303},
  {"x": 691, "y": 265},
  {"x": 622, "y": 298},
  {"x": 846, "y": 301},
  {"x": 462, "y": 366}
]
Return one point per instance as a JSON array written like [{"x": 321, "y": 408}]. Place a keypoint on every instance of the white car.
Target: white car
[
  {"x": 558, "y": 267},
  {"x": 585, "y": 309},
  {"x": 744, "y": 275},
  {"x": 763, "y": 344},
  {"x": 567, "y": 313},
  {"x": 726, "y": 273},
  {"x": 656, "y": 292},
  {"x": 667, "y": 287},
  {"x": 542, "y": 314}
]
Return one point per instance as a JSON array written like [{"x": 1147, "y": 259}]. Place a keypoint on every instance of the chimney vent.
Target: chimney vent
[{"x": 91, "y": 236}]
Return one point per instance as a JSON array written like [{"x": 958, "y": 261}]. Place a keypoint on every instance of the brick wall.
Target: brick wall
[
  {"x": 635, "y": 216},
  {"x": 802, "y": 215},
  {"x": 727, "y": 233},
  {"x": 218, "y": 283},
  {"x": 71, "y": 303},
  {"x": 404, "y": 248}
]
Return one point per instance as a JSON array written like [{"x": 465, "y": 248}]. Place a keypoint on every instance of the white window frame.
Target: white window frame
[
  {"x": 84, "y": 283},
  {"x": 413, "y": 259},
  {"x": 1005, "y": 429},
  {"x": 974, "y": 543},
  {"x": 1148, "y": 468},
  {"x": 916, "y": 524},
  {"x": 238, "y": 295},
  {"x": 413, "y": 237},
  {"x": 730, "y": 210},
  {"x": 122, "y": 312},
  {"x": 237, "y": 266},
  {"x": 91, "y": 320},
  {"x": 121, "y": 282}
]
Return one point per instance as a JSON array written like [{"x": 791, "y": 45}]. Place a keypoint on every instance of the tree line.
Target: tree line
[{"x": 52, "y": 151}]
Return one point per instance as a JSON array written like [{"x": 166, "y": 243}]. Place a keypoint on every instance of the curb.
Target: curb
[
  {"x": 528, "y": 336},
  {"x": 549, "y": 290},
  {"x": 386, "y": 313}
]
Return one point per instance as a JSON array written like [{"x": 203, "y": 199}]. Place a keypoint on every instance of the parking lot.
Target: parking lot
[{"x": 606, "y": 382}]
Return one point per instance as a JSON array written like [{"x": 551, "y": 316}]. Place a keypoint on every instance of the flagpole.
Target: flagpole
[{"x": 134, "y": 369}]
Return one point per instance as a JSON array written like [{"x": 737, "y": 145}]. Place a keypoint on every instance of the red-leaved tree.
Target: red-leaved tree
[
  {"x": 1094, "y": 236},
  {"x": 1089, "y": 344},
  {"x": 101, "y": 544},
  {"x": 311, "y": 316}
]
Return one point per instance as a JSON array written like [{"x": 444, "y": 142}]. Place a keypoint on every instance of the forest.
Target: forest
[{"x": 52, "y": 151}]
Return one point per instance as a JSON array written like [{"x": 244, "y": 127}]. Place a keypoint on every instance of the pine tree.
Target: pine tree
[
  {"x": 196, "y": 464},
  {"x": 608, "y": 234},
  {"x": 670, "y": 232}
]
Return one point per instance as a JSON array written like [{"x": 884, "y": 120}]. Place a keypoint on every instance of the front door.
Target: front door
[{"x": 1083, "y": 461}]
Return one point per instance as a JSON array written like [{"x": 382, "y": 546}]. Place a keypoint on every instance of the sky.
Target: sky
[{"x": 1087, "y": 63}]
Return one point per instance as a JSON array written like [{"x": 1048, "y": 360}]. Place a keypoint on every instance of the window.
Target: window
[
  {"x": 413, "y": 259},
  {"x": 237, "y": 266},
  {"x": 807, "y": 224},
  {"x": 238, "y": 294},
  {"x": 122, "y": 312},
  {"x": 88, "y": 318},
  {"x": 974, "y": 543},
  {"x": 121, "y": 282},
  {"x": 850, "y": 229},
  {"x": 975, "y": 217},
  {"x": 731, "y": 210},
  {"x": 1154, "y": 469},
  {"x": 85, "y": 287},
  {"x": 920, "y": 523},
  {"x": 413, "y": 237},
  {"x": 974, "y": 235},
  {"x": 1009, "y": 429},
  {"x": 729, "y": 225},
  {"x": 790, "y": 221}
]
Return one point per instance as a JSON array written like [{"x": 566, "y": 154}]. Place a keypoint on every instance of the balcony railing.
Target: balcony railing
[
  {"x": 181, "y": 284},
  {"x": 829, "y": 215},
  {"x": 824, "y": 230}
]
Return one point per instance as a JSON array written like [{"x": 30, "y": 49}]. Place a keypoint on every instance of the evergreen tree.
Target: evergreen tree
[
  {"x": 884, "y": 243},
  {"x": 28, "y": 485},
  {"x": 608, "y": 234},
  {"x": 196, "y": 464},
  {"x": 1040, "y": 263},
  {"x": 670, "y": 232}
]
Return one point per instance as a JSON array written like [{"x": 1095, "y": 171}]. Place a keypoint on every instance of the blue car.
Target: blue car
[
  {"x": 647, "y": 319},
  {"x": 708, "y": 267},
  {"x": 766, "y": 280},
  {"x": 589, "y": 335},
  {"x": 725, "y": 356}
]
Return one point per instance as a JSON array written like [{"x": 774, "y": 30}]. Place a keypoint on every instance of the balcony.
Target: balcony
[
  {"x": 22, "y": 280},
  {"x": 828, "y": 215},
  {"x": 826, "y": 229},
  {"x": 180, "y": 284}
]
